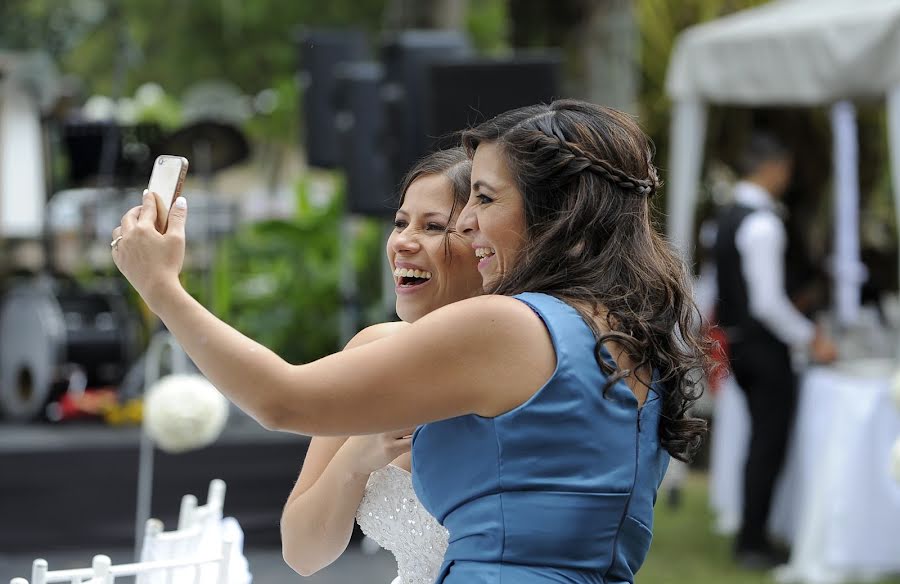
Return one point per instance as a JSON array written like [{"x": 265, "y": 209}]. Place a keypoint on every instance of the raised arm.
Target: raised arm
[
  {"x": 317, "y": 521},
  {"x": 484, "y": 355}
]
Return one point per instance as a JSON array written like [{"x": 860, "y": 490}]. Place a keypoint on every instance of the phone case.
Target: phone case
[{"x": 166, "y": 181}]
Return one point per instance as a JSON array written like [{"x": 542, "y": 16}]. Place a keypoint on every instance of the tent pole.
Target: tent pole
[
  {"x": 893, "y": 117},
  {"x": 687, "y": 136},
  {"x": 848, "y": 270}
]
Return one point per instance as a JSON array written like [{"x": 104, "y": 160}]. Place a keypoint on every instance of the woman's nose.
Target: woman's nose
[
  {"x": 466, "y": 223},
  {"x": 405, "y": 242}
]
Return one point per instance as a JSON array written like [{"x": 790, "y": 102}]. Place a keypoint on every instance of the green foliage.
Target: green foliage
[
  {"x": 487, "y": 23},
  {"x": 278, "y": 281},
  {"x": 280, "y": 123},
  {"x": 659, "y": 24},
  {"x": 175, "y": 43}
]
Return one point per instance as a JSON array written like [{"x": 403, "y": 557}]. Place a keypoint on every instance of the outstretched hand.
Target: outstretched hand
[{"x": 150, "y": 260}]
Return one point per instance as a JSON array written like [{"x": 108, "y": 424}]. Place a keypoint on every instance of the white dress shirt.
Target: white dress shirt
[{"x": 761, "y": 241}]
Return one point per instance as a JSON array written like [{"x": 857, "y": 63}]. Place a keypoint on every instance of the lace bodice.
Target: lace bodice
[{"x": 391, "y": 515}]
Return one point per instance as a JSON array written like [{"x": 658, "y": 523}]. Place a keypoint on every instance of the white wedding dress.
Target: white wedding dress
[{"x": 390, "y": 514}]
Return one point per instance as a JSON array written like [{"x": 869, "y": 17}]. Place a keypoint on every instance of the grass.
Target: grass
[{"x": 686, "y": 551}]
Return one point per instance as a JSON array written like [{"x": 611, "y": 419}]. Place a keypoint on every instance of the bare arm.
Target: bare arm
[
  {"x": 483, "y": 355},
  {"x": 317, "y": 521}
]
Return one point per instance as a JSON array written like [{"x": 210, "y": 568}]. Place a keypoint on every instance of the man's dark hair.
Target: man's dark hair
[{"x": 761, "y": 148}]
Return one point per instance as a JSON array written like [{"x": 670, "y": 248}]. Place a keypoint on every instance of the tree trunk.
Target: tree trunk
[
  {"x": 609, "y": 55},
  {"x": 599, "y": 40}
]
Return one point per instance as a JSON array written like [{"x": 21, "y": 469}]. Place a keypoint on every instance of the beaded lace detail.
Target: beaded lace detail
[{"x": 390, "y": 513}]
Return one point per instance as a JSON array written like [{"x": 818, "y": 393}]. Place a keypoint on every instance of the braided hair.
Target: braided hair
[{"x": 587, "y": 178}]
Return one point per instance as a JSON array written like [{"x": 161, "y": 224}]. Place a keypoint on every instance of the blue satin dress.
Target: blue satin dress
[{"x": 559, "y": 489}]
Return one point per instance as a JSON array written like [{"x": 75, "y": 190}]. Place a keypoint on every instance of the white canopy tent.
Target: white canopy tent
[{"x": 788, "y": 52}]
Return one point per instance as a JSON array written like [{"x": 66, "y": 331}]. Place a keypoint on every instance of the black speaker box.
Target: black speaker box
[
  {"x": 465, "y": 92},
  {"x": 407, "y": 56},
  {"x": 321, "y": 51},
  {"x": 360, "y": 131}
]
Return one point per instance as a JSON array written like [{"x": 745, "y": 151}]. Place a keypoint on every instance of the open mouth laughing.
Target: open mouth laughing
[
  {"x": 484, "y": 255},
  {"x": 410, "y": 278}
]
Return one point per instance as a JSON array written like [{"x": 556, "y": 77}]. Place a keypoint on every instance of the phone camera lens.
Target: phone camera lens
[{"x": 160, "y": 161}]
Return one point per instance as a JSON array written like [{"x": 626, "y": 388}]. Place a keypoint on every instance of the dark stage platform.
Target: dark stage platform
[{"x": 75, "y": 485}]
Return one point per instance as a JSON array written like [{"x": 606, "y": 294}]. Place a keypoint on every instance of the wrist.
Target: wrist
[
  {"x": 351, "y": 461},
  {"x": 162, "y": 296}
]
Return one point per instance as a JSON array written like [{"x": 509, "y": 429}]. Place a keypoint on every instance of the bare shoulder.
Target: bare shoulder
[
  {"x": 375, "y": 332},
  {"x": 488, "y": 311},
  {"x": 508, "y": 350},
  {"x": 484, "y": 356}
]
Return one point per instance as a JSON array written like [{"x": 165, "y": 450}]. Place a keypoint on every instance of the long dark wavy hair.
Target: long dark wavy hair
[{"x": 587, "y": 178}]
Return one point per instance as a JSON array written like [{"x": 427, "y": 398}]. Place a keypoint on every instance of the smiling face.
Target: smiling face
[
  {"x": 495, "y": 215},
  {"x": 432, "y": 267}
]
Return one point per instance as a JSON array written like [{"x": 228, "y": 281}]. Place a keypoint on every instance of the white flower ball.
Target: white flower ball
[
  {"x": 184, "y": 412},
  {"x": 895, "y": 461},
  {"x": 895, "y": 389}
]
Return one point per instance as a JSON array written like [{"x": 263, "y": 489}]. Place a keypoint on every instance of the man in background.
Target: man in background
[{"x": 762, "y": 328}]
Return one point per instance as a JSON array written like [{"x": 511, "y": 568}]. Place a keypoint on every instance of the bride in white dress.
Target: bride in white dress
[{"x": 367, "y": 478}]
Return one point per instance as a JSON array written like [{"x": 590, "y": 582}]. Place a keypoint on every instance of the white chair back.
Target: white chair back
[
  {"x": 201, "y": 530},
  {"x": 204, "y": 549},
  {"x": 102, "y": 570},
  {"x": 212, "y": 511}
]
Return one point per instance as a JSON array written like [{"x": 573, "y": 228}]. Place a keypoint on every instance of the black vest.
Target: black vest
[{"x": 733, "y": 307}]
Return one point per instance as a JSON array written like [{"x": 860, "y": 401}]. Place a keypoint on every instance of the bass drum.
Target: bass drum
[{"x": 48, "y": 328}]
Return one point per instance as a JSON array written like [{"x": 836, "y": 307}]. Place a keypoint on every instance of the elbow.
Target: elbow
[
  {"x": 308, "y": 547},
  {"x": 298, "y": 556},
  {"x": 301, "y": 543},
  {"x": 284, "y": 411},
  {"x": 275, "y": 417},
  {"x": 268, "y": 420},
  {"x": 298, "y": 564},
  {"x": 280, "y": 419}
]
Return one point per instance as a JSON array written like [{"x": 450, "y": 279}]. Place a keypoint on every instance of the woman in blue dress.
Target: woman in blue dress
[{"x": 546, "y": 409}]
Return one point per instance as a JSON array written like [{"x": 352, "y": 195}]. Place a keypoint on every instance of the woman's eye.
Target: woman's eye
[
  {"x": 436, "y": 227},
  {"x": 400, "y": 223},
  {"x": 484, "y": 199}
]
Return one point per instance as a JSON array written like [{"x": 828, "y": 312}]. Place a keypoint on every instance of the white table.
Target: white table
[{"x": 836, "y": 502}]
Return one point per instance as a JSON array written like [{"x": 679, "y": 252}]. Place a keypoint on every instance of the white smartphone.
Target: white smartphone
[{"x": 166, "y": 181}]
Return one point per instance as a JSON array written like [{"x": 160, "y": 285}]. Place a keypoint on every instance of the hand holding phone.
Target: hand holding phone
[{"x": 166, "y": 181}]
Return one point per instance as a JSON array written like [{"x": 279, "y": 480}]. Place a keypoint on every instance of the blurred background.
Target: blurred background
[{"x": 300, "y": 118}]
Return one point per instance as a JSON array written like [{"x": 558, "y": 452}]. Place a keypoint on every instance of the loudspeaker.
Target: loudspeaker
[
  {"x": 465, "y": 92},
  {"x": 321, "y": 51},
  {"x": 407, "y": 56},
  {"x": 360, "y": 131}
]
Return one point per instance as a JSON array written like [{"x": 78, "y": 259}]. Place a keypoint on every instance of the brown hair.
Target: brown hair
[
  {"x": 452, "y": 163},
  {"x": 586, "y": 175}
]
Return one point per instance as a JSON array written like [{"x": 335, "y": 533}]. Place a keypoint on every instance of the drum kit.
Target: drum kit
[{"x": 58, "y": 335}]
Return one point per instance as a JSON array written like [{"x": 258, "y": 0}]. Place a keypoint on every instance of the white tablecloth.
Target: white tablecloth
[{"x": 836, "y": 502}]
